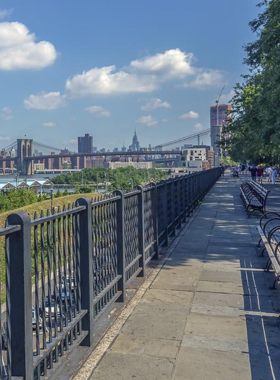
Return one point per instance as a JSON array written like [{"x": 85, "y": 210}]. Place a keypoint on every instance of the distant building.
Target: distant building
[
  {"x": 219, "y": 116},
  {"x": 200, "y": 157},
  {"x": 136, "y": 165},
  {"x": 135, "y": 146},
  {"x": 85, "y": 144}
]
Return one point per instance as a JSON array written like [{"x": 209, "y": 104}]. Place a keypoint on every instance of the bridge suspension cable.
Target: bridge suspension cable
[
  {"x": 46, "y": 146},
  {"x": 186, "y": 138},
  {"x": 10, "y": 146}
]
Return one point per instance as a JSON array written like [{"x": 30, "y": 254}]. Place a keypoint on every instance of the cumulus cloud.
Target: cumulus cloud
[
  {"x": 155, "y": 103},
  {"x": 99, "y": 111},
  {"x": 198, "y": 126},
  {"x": 147, "y": 120},
  {"x": 141, "y": 76},
  {"x": 107, "y": 81},
  {"x": 5, "y": 138},
  {"x": 207, "y": 78},
  {"x": 5, "y": 13},
  {"x": 172, "y": 63},
  {"x": 6, "y": 113},
  {"x": 189, "y": 115},
  {"x": 18, "y": 49},
  {"x": 49, "y": 124},
  {"x": 45, "y": 101}
]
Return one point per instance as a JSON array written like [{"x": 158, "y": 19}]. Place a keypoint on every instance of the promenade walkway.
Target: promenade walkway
[{"x": 209, "y": 313}]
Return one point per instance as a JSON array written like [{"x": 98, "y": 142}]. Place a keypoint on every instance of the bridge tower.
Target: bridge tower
[{"x": 25, "y": 150}]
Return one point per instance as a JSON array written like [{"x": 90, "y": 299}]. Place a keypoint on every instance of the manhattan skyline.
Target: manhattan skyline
[{"x": 106, "y": 69}]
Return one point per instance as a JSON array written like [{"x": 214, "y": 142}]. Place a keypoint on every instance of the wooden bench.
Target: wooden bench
[
  {"x": 254, "y": 197},
  {"x": 269, "y": 230}
]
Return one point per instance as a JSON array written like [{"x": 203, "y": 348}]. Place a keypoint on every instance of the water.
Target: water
[{"x": 36, "y": 177}]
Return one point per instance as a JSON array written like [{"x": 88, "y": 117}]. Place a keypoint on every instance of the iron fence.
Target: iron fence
[{"x": 60, "y": 271}]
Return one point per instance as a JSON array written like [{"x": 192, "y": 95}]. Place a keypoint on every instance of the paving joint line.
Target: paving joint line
[{"x": 88, "y": 367}]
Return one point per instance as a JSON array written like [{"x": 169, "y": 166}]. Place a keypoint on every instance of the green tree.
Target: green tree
[{"x": 254, "y": 132}]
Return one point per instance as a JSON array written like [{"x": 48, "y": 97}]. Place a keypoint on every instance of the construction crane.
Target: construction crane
[{"x": 217, "y": 103}]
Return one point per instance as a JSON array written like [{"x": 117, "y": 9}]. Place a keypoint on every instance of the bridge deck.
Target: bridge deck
[{"x": 209, "y": 312}]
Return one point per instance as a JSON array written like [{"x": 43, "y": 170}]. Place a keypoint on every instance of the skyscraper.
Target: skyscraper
[
  {"x": 135, "y": 143},
  {"x": 85, "y": 144},
  {"x": 219, "y": 116}
]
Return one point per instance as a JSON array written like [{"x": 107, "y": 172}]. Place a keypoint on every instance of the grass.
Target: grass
[
  {"x": 45, "y": 205},
  {"x": 31, "y": 209}
]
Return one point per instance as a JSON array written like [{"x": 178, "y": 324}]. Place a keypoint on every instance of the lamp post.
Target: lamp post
[{"x": 51, "y": 200}]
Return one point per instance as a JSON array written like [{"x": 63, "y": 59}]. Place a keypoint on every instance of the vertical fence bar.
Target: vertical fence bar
[
  {"x": 87, "y": 291},
  {"x": 172, "y": 204},
  {"x": 155, "y": 219},
  {"x": 165, "y": 213},
  {"x": 21, "y": 297},
  {"x": 120, "y": 245},
  {"x": 141, "y": 230}
]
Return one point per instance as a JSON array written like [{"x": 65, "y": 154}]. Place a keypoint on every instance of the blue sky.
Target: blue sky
[{"x": 107, "y": 67}]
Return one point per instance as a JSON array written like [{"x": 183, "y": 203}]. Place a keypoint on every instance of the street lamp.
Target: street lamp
[{"x": 51, "y": 200}]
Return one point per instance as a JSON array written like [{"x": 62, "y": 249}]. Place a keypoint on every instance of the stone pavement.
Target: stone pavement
[{"x": 209, "y": 314}]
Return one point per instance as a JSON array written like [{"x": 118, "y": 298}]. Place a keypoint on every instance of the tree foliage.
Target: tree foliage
[
  {"x": 120, "y": 178},
  {"x": 254, "y": 131}
]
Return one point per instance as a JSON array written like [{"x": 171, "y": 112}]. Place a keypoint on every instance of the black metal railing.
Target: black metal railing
[{"x": 60, "y": 271}]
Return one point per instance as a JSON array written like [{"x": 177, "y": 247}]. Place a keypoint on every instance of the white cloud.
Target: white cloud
[
  {"x": 106, "y": 81},
  {"x": 5, "y": 13},
  {"x": 207, "y": 78},
  {"x": 155, "y": 103},
  {"x": 227, "y": 97},
  {"x": 141, "y": 76},
  {"x": 189, "y": 115},
  {"x": 147, "y": 120},
  {"x": 49, "y": 124},
  {"x": 18, "y": 49},
  {"x": 6, "y": 113},
  {"x": 199, "y": 126},
  {"x": 99, "y": 111},
  {"x": 172, "y": 63},
  {"x": 5, "y": 138},
  {"x": 45, "y": 101}
]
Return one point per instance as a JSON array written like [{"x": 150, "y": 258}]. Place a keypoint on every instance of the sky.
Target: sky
[{"x": 108, "y": 67}]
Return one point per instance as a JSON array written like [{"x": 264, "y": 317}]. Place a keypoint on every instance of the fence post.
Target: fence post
[
  {"x": 165, "y": 208},
  {"x": 120, "y": 245},
  {"x": 141, "y": 230},
  {"x": 19, "y": 291},
  {"x": 172, "y": 200},
  {"x": 155, "y": 219},
  {"x": 86, "y": 267}
]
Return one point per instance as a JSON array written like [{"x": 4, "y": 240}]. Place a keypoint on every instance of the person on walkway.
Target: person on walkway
[
  {"x": 222, "y": 170},
  {"x": 273, "y": 175},
  {"x": 253, "y": 171},
  {"x": 259, "y": 174},
  {"x": 268, "y": 172}
]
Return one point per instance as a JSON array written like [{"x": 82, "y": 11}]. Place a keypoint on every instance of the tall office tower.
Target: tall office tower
[
  {"x": 135, "y": 146},
  {"x": 85, "y": 144},
  {"x": 219, "y": 116}
]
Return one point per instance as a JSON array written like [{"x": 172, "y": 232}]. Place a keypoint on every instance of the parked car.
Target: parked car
[
  {"x": 50, "y": 306},
  {"x": 64, "y": 292},
  {"x": 34, "y": 319}
]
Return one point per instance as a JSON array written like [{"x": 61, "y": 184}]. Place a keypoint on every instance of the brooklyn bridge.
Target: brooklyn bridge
[{"x": 25, "y": 156}]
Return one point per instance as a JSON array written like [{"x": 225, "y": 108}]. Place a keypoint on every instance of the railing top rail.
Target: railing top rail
[
  {"x": 105, "y": 201},
  {"x": 49, "y": 218},
  {"x": 9, "y": 230},
  {"x": 132, "y": 193}
]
